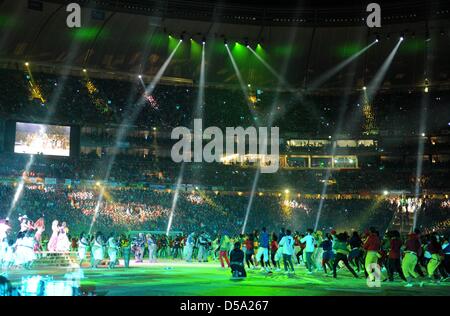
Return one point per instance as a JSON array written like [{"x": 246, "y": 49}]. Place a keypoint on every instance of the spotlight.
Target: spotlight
[
  {"x": 385, "y": 192},
  {"x": 286, "y": 191},
  {"x": 27, "y": 64},
  {"x": 225, "y": 42},
  {"x": 377, "y": 38},
  {"x": 84, "y": 70},
  {"x": 204, "y": 40},
  {"x": 364, "y": 88},
  {"x": 140, "y": 76},
  {"x": 401, "y": 38}
]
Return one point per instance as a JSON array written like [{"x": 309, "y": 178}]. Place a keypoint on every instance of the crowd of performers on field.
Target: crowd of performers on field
[{"x": 414, "y": 258}]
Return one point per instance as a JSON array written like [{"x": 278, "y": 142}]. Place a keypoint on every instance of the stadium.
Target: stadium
[{"x": 224, "y": 148}]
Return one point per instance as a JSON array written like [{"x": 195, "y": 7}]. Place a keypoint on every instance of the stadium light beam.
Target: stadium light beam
[
  {"x": 333, "y": 71},
  {"x": 373, "y": 86},
  {"x": 425, "y": 102},
  {"x": 238, "y": 73},
  {"x": 175, "y": 199},
  {"x": 129, "y": 119},
  {"x": 270, "y": 68},
  {"x": 269, "y": 124},
  {"x": 21, "y": 185}
]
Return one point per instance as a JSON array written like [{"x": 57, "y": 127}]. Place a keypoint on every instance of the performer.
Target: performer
[
  {"x": 126, "y": 250},
  {"x": 286, "y": 246},
  {"x": 237, "y": 262},
  {"x": 4, "y": 228},
  {"x": 113, "y": 248},
  {"x": 203, "y": 241},
  {"x": 39, "y": 227},
  {"x": 97, "y": 250},
  {"x": 412, "y": 251},
  {"x": 263, "y": 250},
  {"x": 24, "y": 254},
  {"x": 189, "y": 248},
  {"x": 151, "y": 242},
  {"x": 224, "y": 248},
  {"x": 372, "y": 246},
  {"x": 83, "y": 244},
  {"x": 138, "y": 248},
  {"x": 24, "y": 223},
  {"x": 63, "y": 242},
  {"x": 8, "y": 256},
  {"x": 52, "y": 244},
  {"x": 341, "y": 246}
]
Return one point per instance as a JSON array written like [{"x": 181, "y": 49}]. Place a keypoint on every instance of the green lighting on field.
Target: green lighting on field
[
  {"x": 350, "y": 49},
  {"x": 156, "y": 40},
  {"x": 6, "y": 21},
  {"x": 86, "y": 33},
  {"x": 284, "y": 50},
  {"x": 412, "y": 45},
  {"x": 196, "y": 50},
  {"x": 260, "y": 51},
  {"x": 240, "y": 53},
  {"x": 173, "y": 44}
]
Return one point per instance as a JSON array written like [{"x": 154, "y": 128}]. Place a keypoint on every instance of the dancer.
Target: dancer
[
  {"x": 203, "y": 247},
  {"x": 372, "y": 246},
  {"x": 24, "y": 254},
  {"x": 224, "y": 248},
  {"x": 356, "y": 254},
  {"x": 39, "y": 227},
  {"x": 328, "y": 254},
  {"x": 341, "y": 247},
  {"x": 318, "y": 251},
  {"x": 4, "y": 228},
  {"x": 53, "y": 242},
  {"x": 97, "y": 250},
  {"x": 287, "y": 246},
  {"x": 138, "y": 248},
  {"x": 237, "y": 262},
  {"x": 446, "y": 252},
  {"x": 125, "y": 245},
  {"x": 394, "y": 264},
  {"x": 273, "y": 251},
  {"x": 151, "y": 242},
  {"x": 412, "y": 252},
  {"x": 434, "y": 248},
  {"x": 249, "y": 251},
  {"x": 189, "y": 248},
  {"x": 112, "y": 251},
  {"x": 24, "y": 223},
  {"x": 83, "y": 244},
  {"x": 309, "y": 242},
  {"x": 63, "y": 242},
  {"x": 263, "y": 250}
]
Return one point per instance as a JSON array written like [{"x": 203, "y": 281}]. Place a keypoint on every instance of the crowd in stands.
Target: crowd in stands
[
  {"x": 126, "y": 208},
  {"x": 82, "y": 100}
]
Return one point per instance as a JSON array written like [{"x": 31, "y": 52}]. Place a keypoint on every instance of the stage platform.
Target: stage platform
[{"x": 181, "y": 278}]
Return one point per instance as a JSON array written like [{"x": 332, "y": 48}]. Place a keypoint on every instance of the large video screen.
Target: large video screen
[{"x": 53, "y": 140}]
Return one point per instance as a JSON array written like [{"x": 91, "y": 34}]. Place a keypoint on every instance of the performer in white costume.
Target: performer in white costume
[
  {"x": 97, "y": 250},
  {"x": 113, "y": 249},
  {"x": 83, "y": 244},
  {"x": 24, "y": 254},
  {"x": 63, "y": 242},
  {"x": 52, "y": 243},
  {"x": 4, "y": 227}
]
